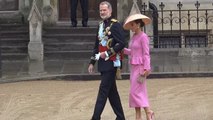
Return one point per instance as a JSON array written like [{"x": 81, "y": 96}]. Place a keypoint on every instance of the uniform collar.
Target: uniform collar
[{"x": 108, "y": 20}]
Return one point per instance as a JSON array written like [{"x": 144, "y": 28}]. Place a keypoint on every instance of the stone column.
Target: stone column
[
  {"x": 210, "y": 45},
  {"x": 36, "y": 68},
  {"x": 182, "y": 41},
  {"x": 35, "y": 46},
  {"x": 210, "y": 39}
]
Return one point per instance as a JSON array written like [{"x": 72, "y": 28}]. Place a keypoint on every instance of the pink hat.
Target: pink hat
[{"x": 133, "y": 17}]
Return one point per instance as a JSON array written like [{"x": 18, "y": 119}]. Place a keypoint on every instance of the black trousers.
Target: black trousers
[
  {"x": 84, "y": 8},
  {"x": 108, "y": 89}
]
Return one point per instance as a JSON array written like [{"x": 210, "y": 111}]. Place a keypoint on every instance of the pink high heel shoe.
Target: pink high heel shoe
[{"x": 151, "y": 115}]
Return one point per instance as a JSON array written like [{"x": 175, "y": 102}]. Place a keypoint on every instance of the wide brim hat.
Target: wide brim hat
[{"x": 134, "y": 17}]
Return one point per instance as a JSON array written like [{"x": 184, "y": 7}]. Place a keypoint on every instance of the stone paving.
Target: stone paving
[
  {"x": 170, "y": 99},
  {"x": 163, "y": 65}
]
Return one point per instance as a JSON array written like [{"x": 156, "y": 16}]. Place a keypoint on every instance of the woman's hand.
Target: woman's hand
[
  {"x": 146, "y": 73},
  {"x": 141, "y": 78}
]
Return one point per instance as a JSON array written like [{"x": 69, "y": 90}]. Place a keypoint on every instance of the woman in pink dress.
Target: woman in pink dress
[{"x": 139, "y": 60}]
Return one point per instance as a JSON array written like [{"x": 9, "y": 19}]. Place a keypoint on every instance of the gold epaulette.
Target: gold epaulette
[{"x": 114, "y": 20}]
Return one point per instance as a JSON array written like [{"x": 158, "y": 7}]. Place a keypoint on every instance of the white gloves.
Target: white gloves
[{"x": 97, "y": 56}]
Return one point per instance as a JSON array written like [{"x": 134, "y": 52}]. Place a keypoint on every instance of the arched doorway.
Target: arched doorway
[{"x": 64, "y": 9}]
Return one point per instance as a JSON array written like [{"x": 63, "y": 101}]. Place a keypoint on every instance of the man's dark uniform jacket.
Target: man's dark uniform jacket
[{"x": 115, "y": 46}]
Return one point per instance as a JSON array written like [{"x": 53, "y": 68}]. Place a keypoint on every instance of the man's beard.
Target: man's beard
[{"x": 104, "y": 17}]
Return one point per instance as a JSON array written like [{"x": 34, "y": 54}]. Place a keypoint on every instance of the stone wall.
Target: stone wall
[
  {"x": 8, "y": 5},
  {"x": 50, "y": 12},
  {"x": 123, "y": 9}
]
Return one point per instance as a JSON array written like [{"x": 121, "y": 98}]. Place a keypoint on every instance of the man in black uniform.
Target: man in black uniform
[
  {"x": 107, "y": 51},
  {"x": 84, "y": 8}
]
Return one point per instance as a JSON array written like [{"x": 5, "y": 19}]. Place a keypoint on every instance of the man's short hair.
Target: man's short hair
[{"x": 106, "y": 3}]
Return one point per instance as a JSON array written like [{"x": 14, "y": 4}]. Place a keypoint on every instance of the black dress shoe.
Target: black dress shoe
[
  {"x": 73, "y": 25},
  {"x": 84, "y": 25}
]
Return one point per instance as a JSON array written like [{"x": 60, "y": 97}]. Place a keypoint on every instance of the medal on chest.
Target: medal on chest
[{"x": 103, "y": 35}]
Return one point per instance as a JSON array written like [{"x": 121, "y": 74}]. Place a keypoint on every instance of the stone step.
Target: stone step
[
  {"x": 14, "y": 49},
  {"x": 67, "y": 55},
  {"x": 13, "y": 26},
  {"x": 14, "y": 33},
  {"x": 91, "y": 23},
  {"x": 14, "y": 41},
  {"x": 51, "y": 38},
  {"x": 67, "y": 43},
  {"x": 14, "y": 56},
  {"x": 11, "y": 17},
  {"x": 69, "y": 30},
  {"x": 68, "y": 46}
]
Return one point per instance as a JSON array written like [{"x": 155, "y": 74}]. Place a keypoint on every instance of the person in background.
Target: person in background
[
  {"x": 73, "y": 9},
  {"x": 139, "y": 61},
  {"x": 107, "y": 52}
]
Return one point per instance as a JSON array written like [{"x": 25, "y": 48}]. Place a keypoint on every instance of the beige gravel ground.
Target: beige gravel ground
[{"x": 171, "y": 99}]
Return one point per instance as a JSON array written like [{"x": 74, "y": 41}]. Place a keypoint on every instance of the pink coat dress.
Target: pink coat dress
[{"x": 139, "y": 59}]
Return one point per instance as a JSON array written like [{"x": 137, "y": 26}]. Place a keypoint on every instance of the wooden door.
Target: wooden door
[{"x": 64, "y": 9}]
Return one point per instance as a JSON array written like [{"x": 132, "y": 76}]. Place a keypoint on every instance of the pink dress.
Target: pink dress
[{"x": 139, "y": 59}]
